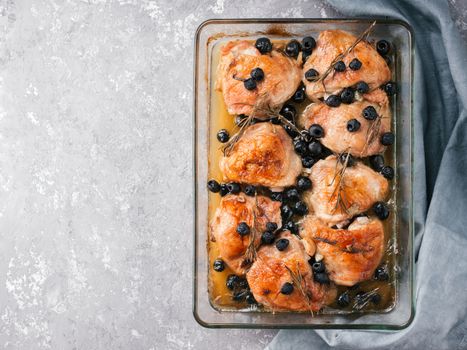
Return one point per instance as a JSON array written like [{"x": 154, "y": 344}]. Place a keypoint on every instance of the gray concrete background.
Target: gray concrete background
[{"x": 96, "y": 171}]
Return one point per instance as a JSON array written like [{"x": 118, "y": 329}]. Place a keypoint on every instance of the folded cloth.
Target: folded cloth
[{"x": 440, "y": 187}]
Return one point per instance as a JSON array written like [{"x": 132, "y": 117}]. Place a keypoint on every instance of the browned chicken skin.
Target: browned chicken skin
[
  {"x": 331, "y": 43},
  {"x": 269, "y": 273},
  {"x": 361, "y": 188},
  {"x": 365, "y": 141},
  {"x": 238, "y": 59},
  {"x": 234, "y": 209},
  {"x": 263, "y": 156},
  {"x": 350, "y": 255}
]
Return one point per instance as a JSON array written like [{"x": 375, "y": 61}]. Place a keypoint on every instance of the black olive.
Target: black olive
[
  {"x": 287, "y": 288},
  {"x": 282, "y": 244},
  {"x": 299, "y": 96},
  {"x": 390, "y": 88},
  {"x": 263, "y": 45},
  {"x": 316, "y": 131},
  {"x": 250, "y": 190},
  {"x": 286, "y": 212},
  {"x": 308, "y": 161},
  {"x": 375, "y": 298},
  {"x": 292, "y": 48},
  {"x": 383, "y": 47},
  {"x": 343, "y": 300},
  {"x": 271, "y": 226},
  {"x": 377, "y": 162},
  {"x": 308, "y": 44},
  {"x": 218, "y": 265},
  {"x": 369, "y": 113},
  {"x": 387, "y": 172},
  {"x": 250, "y": 299},
  {"x": 303, "y": 183},
  {"x": 249, "y": 84},
  {"x": 347, "y": 157},
  {"x": 353, "y": 125},
  {"x": 300, "y": 146},
  {"x": 318, "y": 266},
  {"x": 257, "y": 74},
  {"x": 223, "y": 135},
  {"x": 381, "y": 210},
  {"x": 276, "y": 196},
  {"x": 243, "y": 229},
  {"x": 387, "y": 139},
  {"x": 233, "y": 187},
  {"x": 347, "y": 95},
  {"x": 291, "y": 226},
  {"x": 300, "y": 208},
  {"x": 315, "y": 148},
  {"x": 355, "y": 64},
  {"x": 311, "y": 74},
  {"x": 339, "y": 66},
  {"x": 288, "y": 112},
  {"x": 240, "y": 118},
  {"x": 321, "y": 278},
  {"x": 291, "y": 194},
  {"x": 291, "y": 131},
  {"x": 333, "y": 101},
  {"x": 381, "y": 274},
  {"x": 224, "y": 190},
  {"x": 232, "y": 281},
  {"x": 362, "y": 87},
  {"x": 267, "y": 237},
  {"x": 214, "y": 186}
]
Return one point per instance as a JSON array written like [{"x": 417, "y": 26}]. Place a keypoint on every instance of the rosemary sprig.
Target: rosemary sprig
[
  {"x": 339, "y": 173},
  {"x": 366, "y": 299},
  {"x": 251, "y": 252},
  {"x": 259, "y": 109},
  {"x": 297, "y": 279},
  {"x": 340, "y": 57}
]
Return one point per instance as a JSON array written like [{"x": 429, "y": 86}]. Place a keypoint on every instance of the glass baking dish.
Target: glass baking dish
[{"x": 400, "y": 34}]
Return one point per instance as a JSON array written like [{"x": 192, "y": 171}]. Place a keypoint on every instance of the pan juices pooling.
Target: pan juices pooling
[{"x": 301, "y": 182}]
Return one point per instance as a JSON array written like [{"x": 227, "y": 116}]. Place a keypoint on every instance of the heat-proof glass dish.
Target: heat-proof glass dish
[{"x": 400, "y": 312}]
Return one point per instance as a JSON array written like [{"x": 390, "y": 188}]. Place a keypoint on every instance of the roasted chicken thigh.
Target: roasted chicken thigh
[
  {"x": 350, "y": 255},
  {"x": 274, "y": 268},
  {"x": 238, "y": 59},
  {"x": 330, "y": 44},
  {"x": 264, "y": 155},
  {"x": 363, "y": 142},
  {"x": 256, "y": 212},
  {"x": 336, "y": 198}
]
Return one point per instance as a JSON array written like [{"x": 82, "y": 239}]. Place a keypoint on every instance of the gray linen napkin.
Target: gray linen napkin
[{"x": 440, "y": 187}]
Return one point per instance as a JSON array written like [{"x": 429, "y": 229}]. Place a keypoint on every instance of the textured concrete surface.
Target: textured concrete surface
[{"x": 96, "y": 170}]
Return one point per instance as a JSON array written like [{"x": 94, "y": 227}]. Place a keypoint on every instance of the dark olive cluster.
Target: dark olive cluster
[
  {"x": 308, "y": 147},
  {"x": 256, "y": 76},
  {"x": 240, "y": 289},
  {"x": 358, "y": 300},
  {"x": 377, "y": 163},
  {"x": 230, "y": 188},
  {"x": 320, "y": 274},
  {"x": 294, "y": 47}
]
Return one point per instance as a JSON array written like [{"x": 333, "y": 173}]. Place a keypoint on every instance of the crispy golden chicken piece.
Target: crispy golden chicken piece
[
  {"x": 335, "y": 198},
  {"x": 330, "y": 44},
  {"x": 238, "y": 58},
  {"x": 350, "y": 255},
  {"x": 264, "y": 155},
  {"x": 366, "y": 140},
  {"x": 234, "y": 209},
  {"x": 269, "y": 273}
]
